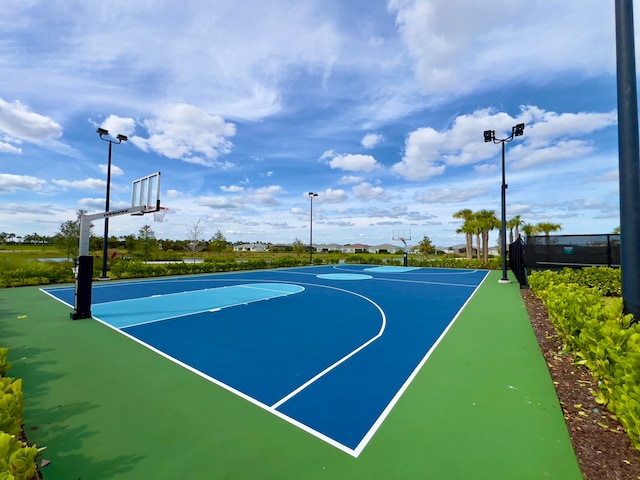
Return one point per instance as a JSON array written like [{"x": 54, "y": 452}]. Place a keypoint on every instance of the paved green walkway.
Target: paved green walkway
[{"x": 482, "y": 407}]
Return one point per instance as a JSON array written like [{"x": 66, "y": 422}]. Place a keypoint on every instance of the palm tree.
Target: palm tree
[
  {"x": 547, "y": 227},
  {"x": 475, "y": 226},
  {"x": 514, "y": 223},
  {"x": 466, "y": 228},
  {"x": 487, "y": 221},
  {"x": 528, "y": 229}
]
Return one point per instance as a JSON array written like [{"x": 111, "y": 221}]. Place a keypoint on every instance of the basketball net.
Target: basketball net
[{"x": 158, "y": 216}]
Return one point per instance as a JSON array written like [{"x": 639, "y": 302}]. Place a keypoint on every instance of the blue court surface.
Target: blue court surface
[{"x": 329, "y": 349}]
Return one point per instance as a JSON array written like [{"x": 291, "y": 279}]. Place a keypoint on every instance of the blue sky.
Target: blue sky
[{"x": 245, "y": 107}]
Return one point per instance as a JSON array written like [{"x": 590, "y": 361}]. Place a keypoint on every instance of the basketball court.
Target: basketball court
[
  {"x": 342, "y": 371},
  {"x": 329, "y": 349},
  {"x": 108, "y": 404}
]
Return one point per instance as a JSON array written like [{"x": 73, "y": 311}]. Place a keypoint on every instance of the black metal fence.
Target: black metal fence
[
  {"x": 573, "y": 251},
  {"x": 517, "y": 251}
]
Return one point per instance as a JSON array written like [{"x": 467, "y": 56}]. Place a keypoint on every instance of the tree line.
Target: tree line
[
  {"x": 477, "y": 225},
  {"x": 144, "y": 242}
]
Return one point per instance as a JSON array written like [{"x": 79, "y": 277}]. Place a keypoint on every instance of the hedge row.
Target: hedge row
[
  {"x": 595, "y": 330},
  {"x": 49, "y": 272},
  {"x": 138, "y": 269},
  {"x": 37, "y": 273}
]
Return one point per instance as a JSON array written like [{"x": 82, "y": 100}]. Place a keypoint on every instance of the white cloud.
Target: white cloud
[
  {"x": 18, "y": 123},
  {"x": 610, "y": 176},
  {"x": 459, "y": 53},
  {"x": 332, "y": 196},
  {"x": 354, "y": 163},
  {"x": 350, "y": 179},
  {"x": 225, "y": 203},
  {"x": 366, "y": 191},
  {"x": 421, "y": 160},
  {"x": 89, "y": 183},
  {"x": 544, "y": 126},
  {"x": 546, "y": 139},
  {"x": 231, "y": 188},
  {"x": 116, "y": 125},
  {"x": 485, "y": 168},
  {"x": 266, "y": 195},
  {"x": 370, "y": 140},
  {"x": 449, "y": 195},
  {"x": 299, "y": 211},
  {"x": 185, "y": 132},
  {"x": 562, "y": 150},
  {"x": 10, "y": 183},
  {"x": 8, "y": 148},
  {"x": 115, "y": 170},
  {"x": 328, "y": 154},
  {"x": 97, "y": 204}
]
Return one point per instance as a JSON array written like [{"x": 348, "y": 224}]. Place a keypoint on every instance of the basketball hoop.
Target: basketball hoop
[{"x": 158, "y": 215}]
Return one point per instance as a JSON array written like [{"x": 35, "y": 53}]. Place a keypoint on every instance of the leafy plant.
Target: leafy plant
[
  {"x": 17, "y": 460},
  {"x": 599, "y": 335},
  {"x": 11, "y": 405},
  {"x": 4, "y": 364}
]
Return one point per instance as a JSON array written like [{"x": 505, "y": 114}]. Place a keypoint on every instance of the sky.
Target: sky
[{"x": 247, "y": 106}]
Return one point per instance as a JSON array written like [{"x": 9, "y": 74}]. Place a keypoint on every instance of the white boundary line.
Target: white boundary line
[
  {"x": 374, "y": 428},
  {"x": 383, "y": 327},
  {"x": 410, "y": 270}
]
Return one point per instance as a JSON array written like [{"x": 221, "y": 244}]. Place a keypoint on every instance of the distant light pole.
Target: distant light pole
[
  {"x": 105, "y": 245},
  {"x": 490, "y": 136},
  {"x": 311, "y": 195}
]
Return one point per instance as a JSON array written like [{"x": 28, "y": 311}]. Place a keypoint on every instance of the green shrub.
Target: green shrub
[
  {"x": 4, "y": 364},
  {"x": 37, "y": 273},
  {"x": 599, "y": 335},
  {"x": 11, "y": 404},
  {"x": 17, "y": 460},
  {"x": 494, "y": 263},
  {"x": 608, "y": 281}
]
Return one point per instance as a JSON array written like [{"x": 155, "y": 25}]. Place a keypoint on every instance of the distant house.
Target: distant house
[
  {"x": 281, "y": 247},
  {"x": 250, "y": 247},
  {"x": 330, "y": 247},
  {"x": 461, "y": 249},
  {"x": 385, "y": 248},
  {"x": 355, "y": 248}
]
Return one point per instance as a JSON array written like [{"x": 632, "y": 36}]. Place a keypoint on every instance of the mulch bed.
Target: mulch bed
[{"x": 602, "y": 447}]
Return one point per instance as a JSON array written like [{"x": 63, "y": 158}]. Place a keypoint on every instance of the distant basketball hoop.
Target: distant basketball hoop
[
  {"x": 158, "y": 216},
  {"x": 403, "y": 236}
]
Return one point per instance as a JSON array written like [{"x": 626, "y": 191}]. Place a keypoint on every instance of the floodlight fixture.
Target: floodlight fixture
[
  {"x": 122, "y": 138},
  {"x": 489, "y": 135},
  {"x": 102, "y": 131},
  {"x": 518, "y": 130}
]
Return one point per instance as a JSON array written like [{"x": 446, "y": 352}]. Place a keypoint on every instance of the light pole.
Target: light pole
[
  {"x": 311, "y": 195},
  {"x": 120, "y": 138},
  {"x": 629, "y": 166},
  {"x": 490, "y": 136}
]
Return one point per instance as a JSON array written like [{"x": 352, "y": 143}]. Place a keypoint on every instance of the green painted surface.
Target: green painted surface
[{"x": 482, "y": 407}]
